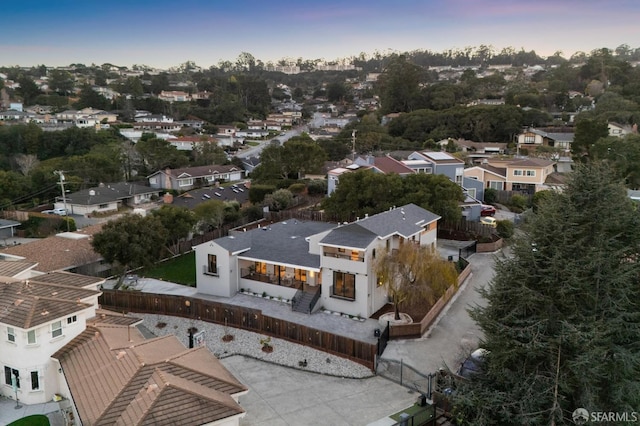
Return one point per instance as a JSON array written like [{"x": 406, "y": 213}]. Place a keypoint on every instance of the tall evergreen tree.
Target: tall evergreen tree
[{"x": 562, "y": 322}]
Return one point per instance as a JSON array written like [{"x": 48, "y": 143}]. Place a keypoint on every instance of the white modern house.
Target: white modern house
[{"x": 315, "y": 264}]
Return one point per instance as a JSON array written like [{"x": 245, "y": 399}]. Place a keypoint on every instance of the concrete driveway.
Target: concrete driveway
[
  {"x": 455, "y": 334},
  {"x": 280, "y": 396}
]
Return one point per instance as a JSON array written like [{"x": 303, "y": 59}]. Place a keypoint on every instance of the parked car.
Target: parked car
[
  {"x": 487, "y": 210},
  {"x": 489, "y": 221},
  {"x": 59, "y": 212},
  {"x": 473, "y": 364}
]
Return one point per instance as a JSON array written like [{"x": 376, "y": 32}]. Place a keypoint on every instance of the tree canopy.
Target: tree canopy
[
  {"x": 413, "y": 274},
  {"x": 562, "y": 319},
  {"x": 365, "y": 192},
  {"x": 131, "y": 241}
]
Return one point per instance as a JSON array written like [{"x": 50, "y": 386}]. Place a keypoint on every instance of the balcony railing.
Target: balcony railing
[
  {"x": 346, "y": 256},
  {"x": 249, "y": 274}
]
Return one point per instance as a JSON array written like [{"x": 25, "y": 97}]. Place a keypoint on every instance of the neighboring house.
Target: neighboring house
[
  {"x": 250, "y": 163},
  {"x": 113, "y": 376},
  {"x": 248, "y": 133},
  {"x": 107, "y": 198},
  {"x": 443, "y": 163},
  {"x": 437, "y": 163},
  {"x": 174, "y": 96},
  {"x": 39, "y": 316},
  {"x": 531, "y": 139},
  {"x": 384, "y": 165},
  {"x": 192, "y": 177},
  {"x": 67, "y": 251},
  {"x": 188, "y": 143},
  {"x": 315, "y": 263},
  {"x": 527, "y": 175},
  {"x": 191, "y": 199},
  {"x": 55, "y": 342},
  {"x": 8, "y": 228},
  {"x": 157, "y": 126},
  {"x": 621, "y": 130},
  {"x": 476, "y": 151},
  {"x": 13, "y": 115},
  {"x": 333, "y": 176}
]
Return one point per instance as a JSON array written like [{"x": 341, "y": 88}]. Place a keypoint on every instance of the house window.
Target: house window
[
  {"x": 72, "y": 319},
  {"x": 472, "y": 192},
  {"x": 300, "y": 275},
  {"x": 153, "y": 180},
  {"x": 355, "y": 255},
  {"x": 185, "y": 182},
  {"x": 56, "y": 329},
  {"x": 517, "y": 173},
  {"x": 529, "y": 138},
  {"x": 11, "y": 334},
  {"x": 35, "y": 381},
  {"x": 344, "y": 285},
  {"x": 496, "y": 185},
  {"x": 530, "y": 173},
  {"x": 31, "y": 337},
  {"x": 9, "y": 374},
  {"x": 103, "y": 206},
  {"x": 212, "y": 264}
]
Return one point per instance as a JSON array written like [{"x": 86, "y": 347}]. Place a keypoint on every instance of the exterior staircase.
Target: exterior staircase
[{"x": 305, "y": 301}]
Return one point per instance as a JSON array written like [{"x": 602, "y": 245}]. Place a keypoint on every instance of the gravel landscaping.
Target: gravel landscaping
[{"x": 251, "y": 344}]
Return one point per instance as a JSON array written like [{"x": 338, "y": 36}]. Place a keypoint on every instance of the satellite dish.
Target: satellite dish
[{"x": 92, "y": 193}]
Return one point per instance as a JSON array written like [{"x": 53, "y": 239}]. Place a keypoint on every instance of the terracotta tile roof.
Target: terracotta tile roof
[
  {"x": 29, "y": 303},
  {"x": 67, "y": 278},
  {"x": 59, "y": 252},
  {"x": 129, "y": 381},
  {"x": 13, "y": 268}
]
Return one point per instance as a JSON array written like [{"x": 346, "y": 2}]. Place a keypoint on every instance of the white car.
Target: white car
[{"x": 59, "y": 212}]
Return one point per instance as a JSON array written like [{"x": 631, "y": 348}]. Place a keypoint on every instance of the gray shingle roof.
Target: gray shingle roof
[
  {"x": 108, "y": 193},
  {"x": 405, "y": 221},
  {"x": 282, "y": 242}
]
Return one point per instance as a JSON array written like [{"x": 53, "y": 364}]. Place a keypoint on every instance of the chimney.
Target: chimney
[{"x": 167, "y": 198}]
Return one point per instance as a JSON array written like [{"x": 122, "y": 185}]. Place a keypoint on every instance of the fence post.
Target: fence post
[{"x": 401, "y": 368}]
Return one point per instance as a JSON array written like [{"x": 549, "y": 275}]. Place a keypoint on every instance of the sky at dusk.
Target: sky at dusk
[{"x": 163, "y": 33}]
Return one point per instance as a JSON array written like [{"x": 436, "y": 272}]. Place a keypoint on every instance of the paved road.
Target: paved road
[
  {"x": 255, "y": 151},
  {"x": 455, "y": 334}
]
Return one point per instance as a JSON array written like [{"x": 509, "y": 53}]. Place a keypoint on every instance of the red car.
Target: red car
[{"x": 487, "y": 211}]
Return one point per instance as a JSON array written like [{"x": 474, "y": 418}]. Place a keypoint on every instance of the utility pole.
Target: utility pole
[
  {"x": 353, "y": 145},
  {"x": 60, "y": 173}
]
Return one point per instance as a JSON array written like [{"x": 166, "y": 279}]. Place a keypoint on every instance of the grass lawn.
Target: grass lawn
[
  {"x": 180, "y": 270},
  {"x": 35, "y": 420},
  {"x": 421, "y": 414}
]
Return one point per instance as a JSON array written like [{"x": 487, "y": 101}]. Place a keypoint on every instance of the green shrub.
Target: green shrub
[
  {"x": 504, "y": 229},
  {"x": 297, "y": 188},
  {"x": 317, "y": 187},
  {"x": 490, "y": 196},
  {"x": 518, "y": 203}
]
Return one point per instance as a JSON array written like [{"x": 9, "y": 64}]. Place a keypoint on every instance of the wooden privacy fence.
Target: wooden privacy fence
[{"x": 239, "y": 317}]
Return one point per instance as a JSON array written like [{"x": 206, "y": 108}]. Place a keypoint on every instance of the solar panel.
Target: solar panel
[{"x": 439, "y": 155}]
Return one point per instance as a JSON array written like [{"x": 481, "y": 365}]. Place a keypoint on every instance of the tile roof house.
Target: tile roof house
[
  {"x": 193, "y": 177},
  {"x": 315, "y": 263},
  {"x": 67, "y": 251},
  {"x": 114, "y": 376},
  {"x": 106, "y": 198},
  {"x": 56, "y": 341},
  {"x": 39, "y": 316}
]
